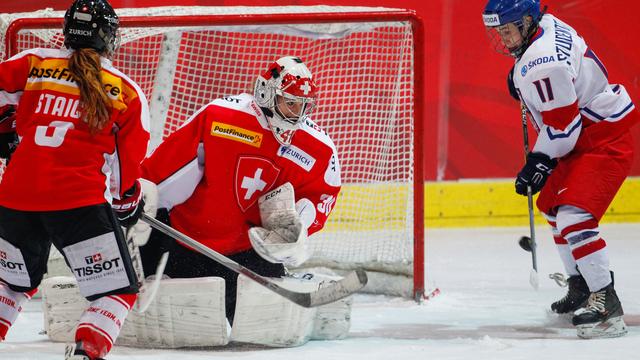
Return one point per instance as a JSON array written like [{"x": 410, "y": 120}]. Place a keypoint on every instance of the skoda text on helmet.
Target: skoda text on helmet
[
  {"x": 91, "y": 24},
  {"x": 287, "y": 93},
  {"x": 511, "y": 24}
]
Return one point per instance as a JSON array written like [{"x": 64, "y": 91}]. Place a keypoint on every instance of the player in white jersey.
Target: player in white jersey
[{"x": 582, "y": 154}]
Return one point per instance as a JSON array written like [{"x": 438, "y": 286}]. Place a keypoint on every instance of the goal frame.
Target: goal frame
[{"x": 301, "y": 18}]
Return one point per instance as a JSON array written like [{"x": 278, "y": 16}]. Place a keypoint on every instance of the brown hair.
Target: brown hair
[{"x": 95, "y": 105}]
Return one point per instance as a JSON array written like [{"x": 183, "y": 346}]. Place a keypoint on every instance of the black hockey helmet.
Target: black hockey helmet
[{"x": 91, "y": 24}]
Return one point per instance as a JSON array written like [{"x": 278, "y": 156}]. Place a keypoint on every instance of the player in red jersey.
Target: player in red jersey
[
  {"x": 583, "y": 151},
  {"x": 212, "y": 175},
  {"x": 83, "y": 130}
]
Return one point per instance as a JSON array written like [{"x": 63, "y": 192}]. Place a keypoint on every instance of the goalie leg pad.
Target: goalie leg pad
[
  {"x": 185, "y": 313},
  {"x": 62, "y": 306},
  {"x": 265, "y": 318},
  {"x": 332, "y": 321}
]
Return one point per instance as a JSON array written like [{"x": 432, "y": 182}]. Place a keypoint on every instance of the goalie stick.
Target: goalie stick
[
  {"x": 148, "y": 288},
  {"x": 335, "y": 291}
]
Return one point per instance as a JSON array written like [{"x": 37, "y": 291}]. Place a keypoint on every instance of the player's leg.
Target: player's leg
[
  {"x": 577, "y": 292},
  {"x": 581, "y": 230},
  {"x": 24, "y": 250},
  {"x": 93, "y": 244},
  {"x": 594, "y": 177}
]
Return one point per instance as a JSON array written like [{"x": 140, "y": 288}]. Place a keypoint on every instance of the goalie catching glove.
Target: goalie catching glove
[
  {"x": 282, "y": 236},
  {"x": 129, "y": 207},
  {"x": 141, "y": 231}
]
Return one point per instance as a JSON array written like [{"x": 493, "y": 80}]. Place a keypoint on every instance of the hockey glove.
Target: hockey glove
[
  {"x": 282, "y": 236},
  {"x": 534, "y": 173},
  {"x": 129, "y": 207},
  {"x": 8, "y": 136}
]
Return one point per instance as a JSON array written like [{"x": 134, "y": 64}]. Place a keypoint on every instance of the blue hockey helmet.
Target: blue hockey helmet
[{"x": 498, "y": 13}]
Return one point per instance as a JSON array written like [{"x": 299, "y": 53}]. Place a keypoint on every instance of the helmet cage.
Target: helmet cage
[
  {"x": 293, "y": 108},
  {"x": 496, "y": 39},
  {"x": 523, "y": 15},
  {"x": 288, "y": 93}
]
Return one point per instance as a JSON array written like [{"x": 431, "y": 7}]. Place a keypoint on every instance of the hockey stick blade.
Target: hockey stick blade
[
  {"x": 149, "y": 288},
  {"x": 335, "y": 291},
  {"x": 533, "y": 279}
]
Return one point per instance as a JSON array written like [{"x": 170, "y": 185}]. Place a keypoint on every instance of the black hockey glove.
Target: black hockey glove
[
  {"x": 8, "y": 136},
  {"x": 511, "y": 86},
  {"x": 129, "y": 208},
  {"x": 534, "y": 173}
]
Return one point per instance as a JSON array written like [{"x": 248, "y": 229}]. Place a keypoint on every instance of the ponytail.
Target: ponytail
[{"x": 95, "y": 105}]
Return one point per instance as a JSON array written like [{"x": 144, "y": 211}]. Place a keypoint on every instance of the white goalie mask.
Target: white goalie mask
[{"x": 288, "y": 92}]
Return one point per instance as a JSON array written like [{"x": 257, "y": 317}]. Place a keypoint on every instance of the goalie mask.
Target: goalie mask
[
  {"x": 287, "y": 94},
  {"x": 91, "y": 24}
]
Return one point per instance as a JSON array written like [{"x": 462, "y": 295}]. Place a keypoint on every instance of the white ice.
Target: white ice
[{"x": 486, "y": 310}]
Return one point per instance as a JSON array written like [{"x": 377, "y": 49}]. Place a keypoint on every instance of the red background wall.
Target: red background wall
[{"x": 473, "y": 127}]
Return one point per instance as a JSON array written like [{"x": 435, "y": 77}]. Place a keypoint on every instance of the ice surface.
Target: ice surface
[{"x": 486, "y": 310}]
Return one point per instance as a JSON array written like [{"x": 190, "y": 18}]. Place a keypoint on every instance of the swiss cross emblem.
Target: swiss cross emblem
[
  {"x": 306, "y": 89},
  {"x": 3, "y": 255},
  {"x": 97, "y": 257},
  {"x": 254, "y": 177}
]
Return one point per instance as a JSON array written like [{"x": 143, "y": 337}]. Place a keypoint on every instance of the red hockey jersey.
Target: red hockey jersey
[
  {"x": 59, "y": 164},
  {"x": 211, "y": 172}
]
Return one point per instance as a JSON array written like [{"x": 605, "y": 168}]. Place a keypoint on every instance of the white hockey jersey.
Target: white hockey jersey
[{"x": 565, "y": 87}]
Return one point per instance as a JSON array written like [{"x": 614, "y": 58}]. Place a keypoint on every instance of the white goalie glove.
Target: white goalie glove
[
  {"x": 282, "y": 236},
  {"x": 141, "y": 231}
]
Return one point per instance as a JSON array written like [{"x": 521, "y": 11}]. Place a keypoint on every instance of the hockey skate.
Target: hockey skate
[
  {"x": 75, "y": 352},
  {"x": 576, "y": 297},
  {"x": 602, "y": 317}
]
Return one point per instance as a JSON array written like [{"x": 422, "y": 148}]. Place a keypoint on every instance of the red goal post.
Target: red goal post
[{"x": 369, "y": 66}]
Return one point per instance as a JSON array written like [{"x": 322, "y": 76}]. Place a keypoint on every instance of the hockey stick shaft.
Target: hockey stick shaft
[
  {"x": 532, "y": 230},
  {"x": 335, "y": 291}
]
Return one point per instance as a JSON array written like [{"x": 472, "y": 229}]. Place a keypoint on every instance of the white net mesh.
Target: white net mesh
[{"x": 365, "y": 76}]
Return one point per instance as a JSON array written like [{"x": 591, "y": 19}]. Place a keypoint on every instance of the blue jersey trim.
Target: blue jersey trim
[
  {"x": 613, "y": 116},
  {"x": 563, "y": 135}
]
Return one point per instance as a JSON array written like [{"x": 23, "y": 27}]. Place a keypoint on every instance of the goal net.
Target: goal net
[{"x": 367, "y": 63}]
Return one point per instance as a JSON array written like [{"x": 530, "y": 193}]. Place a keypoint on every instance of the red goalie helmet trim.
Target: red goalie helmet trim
[{"x": 298, "y": 86}]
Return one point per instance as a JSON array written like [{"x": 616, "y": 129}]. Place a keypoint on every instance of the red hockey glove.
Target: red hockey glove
[
  {"x": 128, "y": 209},
  {"x": 8, "y": 136}
]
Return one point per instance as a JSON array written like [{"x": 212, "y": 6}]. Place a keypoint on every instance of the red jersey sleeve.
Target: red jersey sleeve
[
  {"x": 177, "y": 164},
  {"x": 14, "y": 77},
  {"x": 132, "y": 140},
  {"x": 316, "y": 199}
]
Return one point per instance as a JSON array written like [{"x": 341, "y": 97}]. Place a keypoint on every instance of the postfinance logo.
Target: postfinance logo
[{"x": 236, "y": 134}]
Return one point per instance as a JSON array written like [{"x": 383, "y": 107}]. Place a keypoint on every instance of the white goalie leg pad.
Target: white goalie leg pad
[
  {"x": 62, "y": 306},
  {"x": 184, "y": 313},
  {"x": 265, "y": 318},
  {"x": 56, "y": 266},
  {"x": 332, "y": 321}
]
